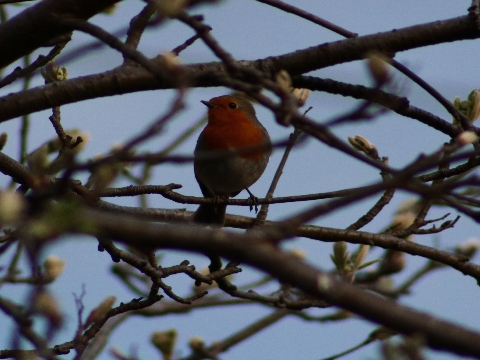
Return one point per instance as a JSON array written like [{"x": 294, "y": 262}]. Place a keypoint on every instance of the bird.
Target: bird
[{"x": 232, "y": 129}]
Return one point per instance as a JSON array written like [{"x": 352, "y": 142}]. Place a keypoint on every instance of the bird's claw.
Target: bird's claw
[{"x": 253, "y": 201}]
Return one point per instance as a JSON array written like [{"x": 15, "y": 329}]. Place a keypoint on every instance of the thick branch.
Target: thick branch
[
  {"x": 36, "y": 27},
  {"x": 250, "y": 249},
  {"x": 126, "y": 80}
]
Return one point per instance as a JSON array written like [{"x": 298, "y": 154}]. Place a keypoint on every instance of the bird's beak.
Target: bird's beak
[{"x": 208, "y": 104}]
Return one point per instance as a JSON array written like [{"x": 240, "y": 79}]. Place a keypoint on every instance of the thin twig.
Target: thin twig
[
  {"x": 42, "y": 60},
  {"x": 25, "y": 127},
  {"x": 461, "y": 118},
  {"x": 398, "y": 104},
  {"x": 262, "y": 214},
  {"x": 114, "y": 43},
  {"x": 138, "y": 25},
  {"x": 308, "y": 16}
]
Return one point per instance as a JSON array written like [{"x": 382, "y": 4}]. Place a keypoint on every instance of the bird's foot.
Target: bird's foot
[{"x": 253, "y": 200}]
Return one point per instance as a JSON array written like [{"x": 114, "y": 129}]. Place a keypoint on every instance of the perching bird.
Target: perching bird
[{"x": 232, "y": 126}]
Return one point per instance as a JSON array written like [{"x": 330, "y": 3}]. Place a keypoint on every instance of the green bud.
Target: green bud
[
  {"x": 469, "y": 248},
  {"x": 470, "y": 107},
  {"x": 360, "y": 256},
  {"x": 53, "y": 73},
  {"x": 377, "y": 66},
  {"x": 170, "y": 8},
  {"x": 341, "y": 257},
  {"x": 381, "y": 333},
  {"x": 196, "y": 343},
  {"x": 165, "y": 341},
  {"x": 38, "y": 159},
  {"x": 3, "y": 140},
  {"x": 474, "y": 105}
]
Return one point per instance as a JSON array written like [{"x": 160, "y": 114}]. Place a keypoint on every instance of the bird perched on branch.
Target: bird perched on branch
[{"x": 232, "y": 153}]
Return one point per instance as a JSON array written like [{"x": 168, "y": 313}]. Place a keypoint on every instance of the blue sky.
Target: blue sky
[{"x": 251, "y": 30}]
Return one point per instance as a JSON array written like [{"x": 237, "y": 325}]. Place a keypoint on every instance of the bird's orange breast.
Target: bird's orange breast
[{"x": 233, "y": 133}]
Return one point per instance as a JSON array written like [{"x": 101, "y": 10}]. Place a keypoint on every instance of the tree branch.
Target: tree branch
[
  {"x": 42, "y": 27},
  {"x": 124, "y": 80},
  {"x": 251, "y": 249}
]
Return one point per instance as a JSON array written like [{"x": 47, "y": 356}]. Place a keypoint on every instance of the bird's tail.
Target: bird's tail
[{"x": 210, "y": 214}]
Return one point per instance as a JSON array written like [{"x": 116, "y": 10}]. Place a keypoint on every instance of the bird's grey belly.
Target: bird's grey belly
[{"x": 227, "y": 176}]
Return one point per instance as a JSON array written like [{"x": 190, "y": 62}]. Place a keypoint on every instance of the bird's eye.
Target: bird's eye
[{"x": 232, "y": 105}]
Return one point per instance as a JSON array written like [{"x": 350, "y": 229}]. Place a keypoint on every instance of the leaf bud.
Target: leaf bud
[
  {"x": 101, "y": 310},
  {"x": 3, "y": 140},
  {"x": 196, "y": 343},
  {"x": 46, "y": 305},
  {"x": 12, "y": 206},
  {"x": 378, "y": 68},
  {"x": 53, "y": 73},
  {"x": 466, "y": 137},
  {"x": 170, "y": 8},
  {"x": 284, "y": 80},
  {"x": 363, "y": 145},
  {"x": 165, "y": 342},
  {"x": 53, "y": 267},
  {"x": 301, "y": 95}
]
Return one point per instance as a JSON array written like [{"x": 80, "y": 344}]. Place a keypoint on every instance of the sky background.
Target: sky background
[{"x": 249, "y": 31}]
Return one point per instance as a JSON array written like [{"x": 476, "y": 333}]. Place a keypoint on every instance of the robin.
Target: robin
[{"x": 231, "y": 130}]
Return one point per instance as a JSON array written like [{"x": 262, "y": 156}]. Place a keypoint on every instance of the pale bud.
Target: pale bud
[
  {"x": 101, "y": 310},
  {"x": 170, "y": 8},
  {"x": 118, "y": 354},
  {"x": 52, "y": 73},
  {"x": 301, "y": 95},
  {"x": 361, "y": 144},
  {"x": 466, "y": 137},
  {"x": 377, "y": 66},
  {"x": 469, "y": 247},
  {"x": 165, "y": 341},
  {"x": 299, "y": 253},
  {"x": 46, "y": 305},
  {"x": 12, "y": 205},
  {"x": 284, "y": 80},
  {"x": 53, "y": 267},
  {"x": 204, "y": 286},
  {"x": 410, "y": 205},
  {"x": 56, "y": 144},
  {"x": 172, "y": 61},
  {"x": 405, "y": 215}
]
